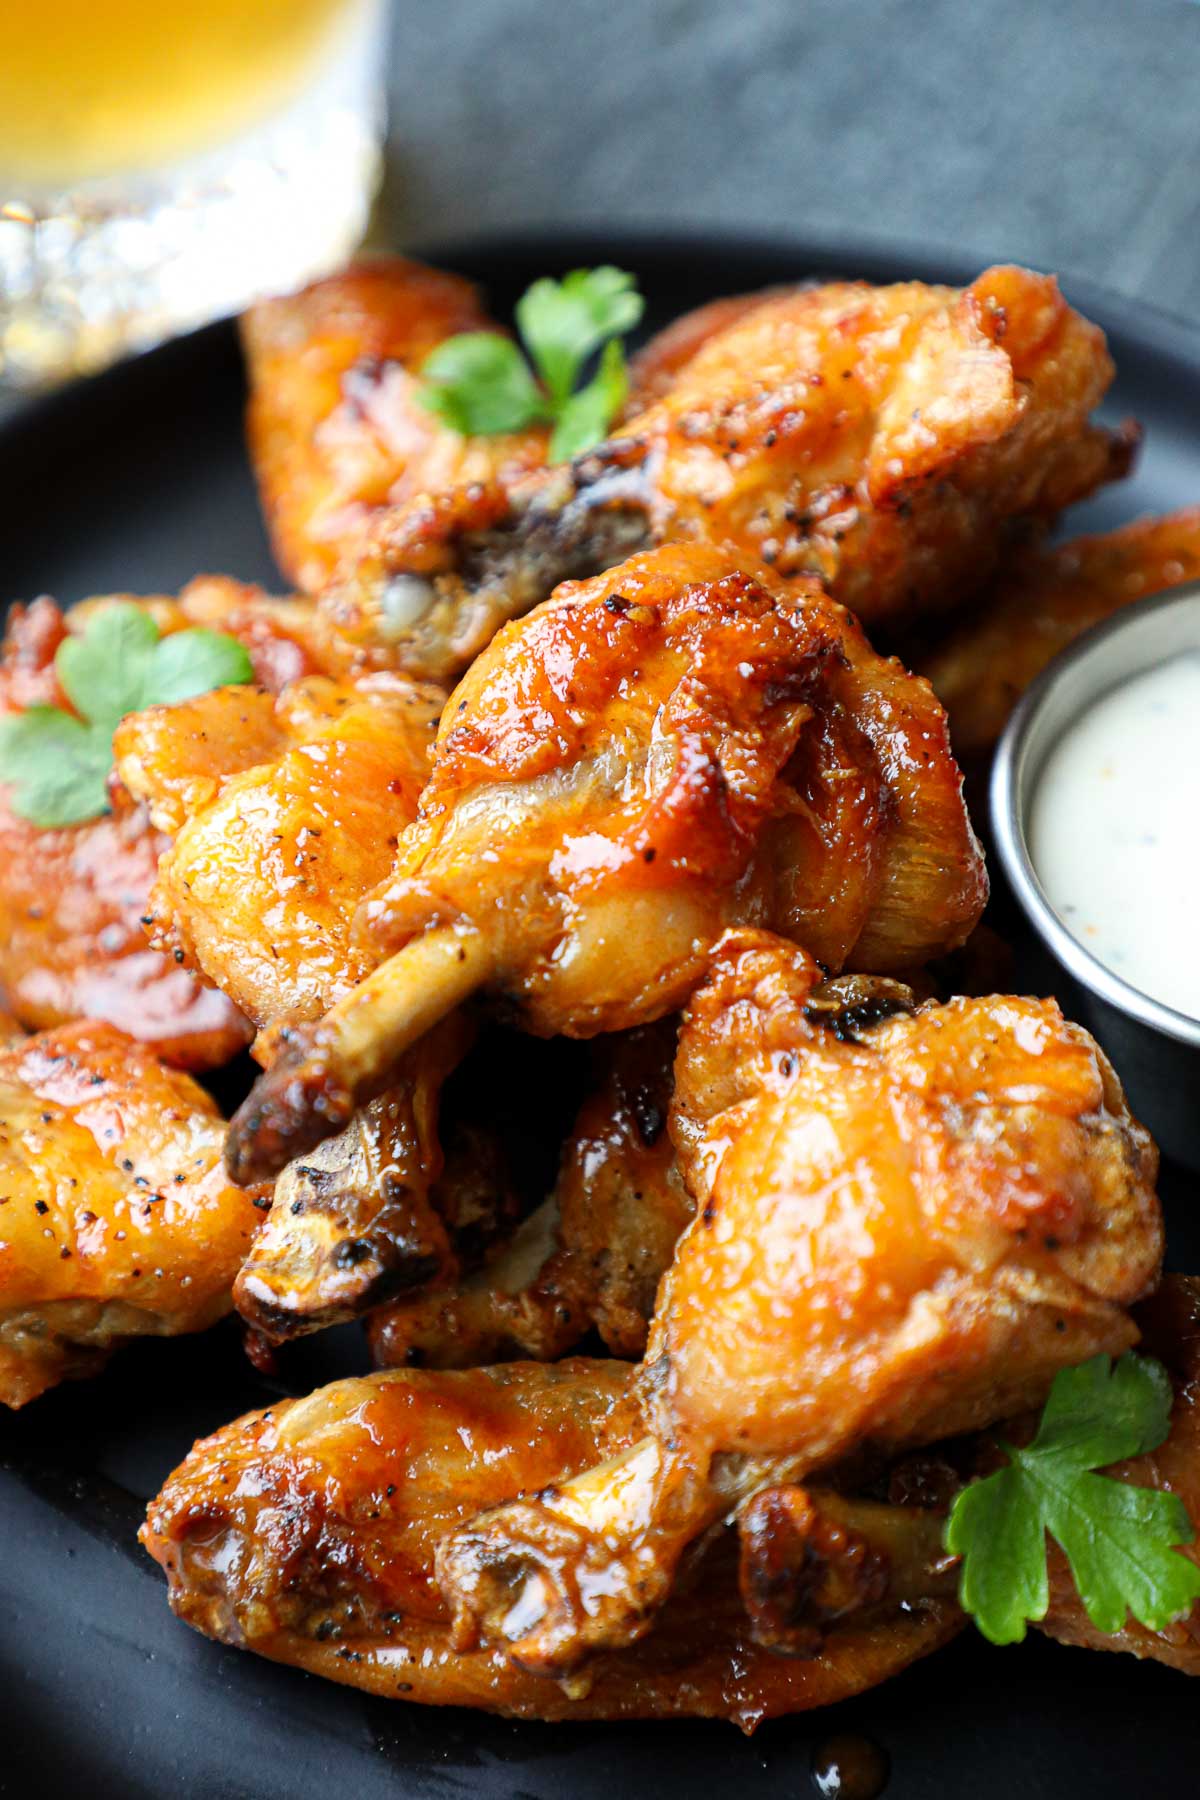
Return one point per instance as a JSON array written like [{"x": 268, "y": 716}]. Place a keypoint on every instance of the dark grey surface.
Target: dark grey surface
[{"x": 1064, "y": 133}]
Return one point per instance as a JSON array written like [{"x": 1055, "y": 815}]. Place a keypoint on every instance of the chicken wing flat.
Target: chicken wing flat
[
  {"x": 590, "y": 1257},
  {"x": 285, "y": 812},
  {"x": 307, "y": 1533},
  {"x": 891, "y": 441},
  {"x": 117, "y": 1220},
  {"x": 1042, "y": 603},
  {"x": 909, "y": 1218},
  {"x": 651, "y": 756},
  {"x": 335, "y": 429},
  {"x": 72, "y": 942}
]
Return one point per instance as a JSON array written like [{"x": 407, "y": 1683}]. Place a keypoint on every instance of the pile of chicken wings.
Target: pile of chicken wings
[{"x": 654, "y": 749}]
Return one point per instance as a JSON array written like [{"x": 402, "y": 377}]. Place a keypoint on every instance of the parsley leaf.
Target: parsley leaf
[
  {"x": 1120, "y": 1540},
  {"x": 58, "y": 764},
  {"x": 481, "y": 384}
]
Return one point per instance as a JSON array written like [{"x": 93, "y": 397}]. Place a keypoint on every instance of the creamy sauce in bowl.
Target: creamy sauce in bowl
[{"x": 1114, "y": 831}]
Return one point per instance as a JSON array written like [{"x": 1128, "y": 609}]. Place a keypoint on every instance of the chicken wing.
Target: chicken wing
[
  {"x": 909, "y": 1219},
  {"x": 651, "y": 756},
  {"x": 307, "y": 1533},
  {"x": 891, "y": 441},
  {"x": 591, "y": 1256},
  {"x": 72, "y": 943},
  {"x": 116, "y": 1218},
  {"x": 335, "y": 429},
  {"x": 1042, "y": 603},
  {"x": 259, "y": 888}
]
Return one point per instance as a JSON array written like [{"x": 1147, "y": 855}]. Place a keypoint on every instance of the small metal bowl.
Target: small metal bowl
[{"x": 1156, "y": 1050}]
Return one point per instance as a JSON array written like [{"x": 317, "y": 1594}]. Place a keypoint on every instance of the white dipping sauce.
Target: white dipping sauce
[{"x": 1114, "y": 831}]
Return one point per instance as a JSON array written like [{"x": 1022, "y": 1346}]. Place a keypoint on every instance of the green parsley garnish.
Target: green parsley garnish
[
  {"x": 57, "y": 763},
  {"x": 482, "y": 385},
  {"x": 1119, "y": 1540}
]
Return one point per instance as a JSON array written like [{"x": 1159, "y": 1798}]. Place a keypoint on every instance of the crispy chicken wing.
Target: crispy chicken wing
[
  {"x": 117, "y": 1220},
  {"x": 889, "y": 440},
  {"x": 591, "y": 1256},
  {"x": 72, "y": 943},
  {"x": 653, "y": 755},
  {"x": 308, "y": 1532},
  {"x": 1039, "y": 605},
  {"x": 909, "y": 1219},
  {"x": 270, "y": 859},
  {"x": 334, "y": 426}
]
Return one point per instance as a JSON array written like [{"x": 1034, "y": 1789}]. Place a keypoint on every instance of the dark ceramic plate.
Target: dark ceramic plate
[{"x": 137, "y": 481}]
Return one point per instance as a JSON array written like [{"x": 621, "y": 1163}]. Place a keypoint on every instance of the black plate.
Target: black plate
[{"x": 136, "y": 481}]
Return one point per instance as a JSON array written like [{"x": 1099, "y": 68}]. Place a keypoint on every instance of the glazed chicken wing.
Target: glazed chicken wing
[
  {"x": 117, "y": 1219},
  {"x": 651, "y": 756},
  {"x": 909, "y": 1218},
  {"x": 268, "y": 865},
  {"x": 590, "y": 1256},
  {"x": 334, "y": 426},
  {"x": 308, "y": 1533},
  {"x": 889, "y": 440},
  {"x": 72, "y": 899},
  {"x": 1042, "y": 603}
]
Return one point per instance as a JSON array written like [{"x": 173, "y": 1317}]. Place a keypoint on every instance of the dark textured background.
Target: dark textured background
[{"x": 1064, "y": 133}]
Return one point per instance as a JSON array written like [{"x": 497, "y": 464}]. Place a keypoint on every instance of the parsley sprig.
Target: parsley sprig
[
  {"x": 481, "y": 384},
  {"x": 1121, "y": 1541},
  {"x": 58, "y": 762}
]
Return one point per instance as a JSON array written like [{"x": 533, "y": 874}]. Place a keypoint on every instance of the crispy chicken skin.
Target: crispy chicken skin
[
  {"x": 117, "y": 1219},
  {"x": 889, "y": 440},
  {"x": 72, "y": 943},
  {"x": 271, "y": 856},
  {"x": 908, "y": 1220},
  {"x": 285, "y": 812},
  {"x": 591, "y": 1256},
  {"x": 307, "y": 1533},
  {"x": 653, "y": 755},
  {"x": 1042, "y": 603},
  {"x": 335, "y": 429}
]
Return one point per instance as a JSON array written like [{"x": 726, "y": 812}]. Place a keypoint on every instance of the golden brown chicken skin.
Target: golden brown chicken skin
[
  {"x": 335, "y": 428},
  {"x": 72, "y": 942},
  {"x": 906, "y": 1225},
  {"x": 651, "y": 756},
  {"x": 891, "y": 441},
  {"x": 285, "y": 813},
  {"x": 307, "y": 1533},
  {"x": 117, "y": 1219},
  {"x": 590, "y": 1256},
  {"x": 1042, "y": 603}
]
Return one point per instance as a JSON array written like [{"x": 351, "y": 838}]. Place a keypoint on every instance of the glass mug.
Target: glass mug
[{"x": 162, "y": 165}]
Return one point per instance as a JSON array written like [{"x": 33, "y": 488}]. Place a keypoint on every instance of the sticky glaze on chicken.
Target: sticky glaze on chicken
[
  {"x": 906, "y": 1225},
  {"x": 334, "y": 427},
  {"x": 651, "y": 756},
  {"x": 117, "y": 1220},
  {"x": 72, "y": 942},
  {"x": 891, "y": 441},
  {"x": 307, "y": 1533},
  {"x": 1042, "y": 603},
  {"x": 259, "y": 888}
]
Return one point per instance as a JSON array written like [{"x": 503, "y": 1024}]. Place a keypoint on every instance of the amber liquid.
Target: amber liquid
[{"x": 90, "y": 88}]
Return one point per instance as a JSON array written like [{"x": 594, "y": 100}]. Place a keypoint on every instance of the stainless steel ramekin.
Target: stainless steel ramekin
[{"x": 1156, "y": 1050}]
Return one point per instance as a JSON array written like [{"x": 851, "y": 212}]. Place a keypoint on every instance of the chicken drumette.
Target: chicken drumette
[
  {"x": 889, "y": 440},
  {"x": 117, "y": 1220},
  {"x": 909, "y": 1219},
  {"x": 653, "y": 755},
  {"x": 307, "y": 1533},
  {"x": 284, "y": 813}
]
